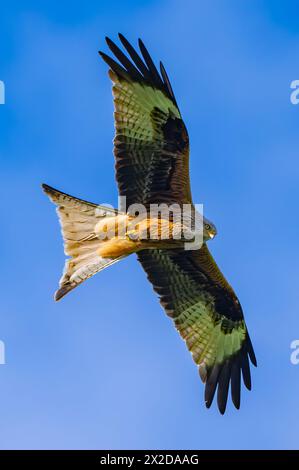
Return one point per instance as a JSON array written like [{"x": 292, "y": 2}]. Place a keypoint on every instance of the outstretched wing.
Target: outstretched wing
[
  {"x": 151, "y": 144},
  {"x": 207, "y": 314}
]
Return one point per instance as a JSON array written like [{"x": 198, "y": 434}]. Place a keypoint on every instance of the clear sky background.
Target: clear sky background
[{"x": 105, "y": 368}]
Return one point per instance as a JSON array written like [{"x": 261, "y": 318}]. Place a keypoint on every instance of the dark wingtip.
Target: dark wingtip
[
  {"x": 114, "y": 66},
  {"x": 211, "y": 385},
  {"x": 223, "y": 386},
  {"x": 245, "y": 367},
  {"x": 109, "y": 41},
  {"x": 139, "y": 67},
  {"x": 253, "y": 360},
  {"x": 208, "y": 404},
  {"x": 251, "y": 352},
  {"x": 48, "y": 189},
  {"x": 222, "y": 402},
  {"x": 45, "y": 187},
  {"x": 60, "y": 293},
  {"x": 105, "y": 57},
  {"x": 228, "y": 376},
  {"x": 235, "y": 383}
]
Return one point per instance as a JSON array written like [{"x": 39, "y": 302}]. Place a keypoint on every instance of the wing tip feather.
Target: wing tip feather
[
  {"x": 228, "y": 376},
  {"x": 63, "y": 290},
  {"x": 140, "y": 67}
]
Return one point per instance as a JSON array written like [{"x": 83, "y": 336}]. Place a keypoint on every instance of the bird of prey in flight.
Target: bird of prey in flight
[{"x": 151, "y": 149}]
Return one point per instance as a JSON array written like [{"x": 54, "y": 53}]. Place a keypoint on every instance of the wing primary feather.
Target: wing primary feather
[
  {"x": 222, "y": 367},
  {"x": 211, "y": 385},
  {"x": 126, "y": 63},
  {"x": 236, "y": 383},
  {"x": 118, "y": 69},
  {"x": 151, "y": 66},
  {"x": 246, "y": 370},
  {"x": 167, "y": 82},
  {"x": 134, "y": 56},
  {"x": 223, "y": 385},
  {"x": 251, "y": 351}
]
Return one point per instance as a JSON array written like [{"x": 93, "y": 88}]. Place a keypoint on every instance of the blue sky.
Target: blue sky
[{"x": 105, "y": 368}]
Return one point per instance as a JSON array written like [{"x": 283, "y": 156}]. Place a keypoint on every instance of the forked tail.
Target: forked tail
[{"x": 78, "y": 220}]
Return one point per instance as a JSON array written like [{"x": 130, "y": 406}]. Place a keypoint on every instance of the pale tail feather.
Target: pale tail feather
[{"x": 78, "y": 219}]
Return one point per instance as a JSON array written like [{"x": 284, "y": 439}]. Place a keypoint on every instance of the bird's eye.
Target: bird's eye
[{"x": 208, "y": 227}]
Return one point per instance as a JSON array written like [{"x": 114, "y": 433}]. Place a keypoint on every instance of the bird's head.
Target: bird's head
[{"x": 209, "y": 230}]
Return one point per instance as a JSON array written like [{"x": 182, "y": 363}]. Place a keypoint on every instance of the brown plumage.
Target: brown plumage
[{"x": 151, "y": 149}]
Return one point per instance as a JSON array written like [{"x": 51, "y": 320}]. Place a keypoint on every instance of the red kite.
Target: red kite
[{"x": 151, "y": 149}]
